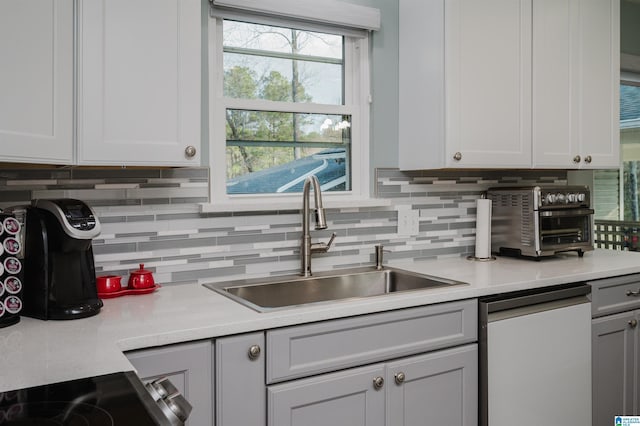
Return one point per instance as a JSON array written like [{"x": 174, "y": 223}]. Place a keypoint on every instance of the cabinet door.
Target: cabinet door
[
  {"x": 439, "y": 388},
  {"x": 188, "y": 367},
  {"x": 599, "y": 83},
  {"x": 576, "y": 83},
  {"x": 346, "y": 398},
  {"x": 613, "y": 358},
  {"x": 555, "y": 37},
  {"x": 139, "y": 82},
  {"x": 465, "y": 83},
  {"x": 488, "y": 83},
  {"x": 240, "y": 388},
  {"x": 36, "y": 81}
]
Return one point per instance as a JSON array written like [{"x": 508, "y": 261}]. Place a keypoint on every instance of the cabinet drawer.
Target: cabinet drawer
[
  {"x": 615, "y": 294},
  {"x": 320, "y": 347}
]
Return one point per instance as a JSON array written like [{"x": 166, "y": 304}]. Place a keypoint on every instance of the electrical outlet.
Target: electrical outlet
[{"x": 408, "y": 222}]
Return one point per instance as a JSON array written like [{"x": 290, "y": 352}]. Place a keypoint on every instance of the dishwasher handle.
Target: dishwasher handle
[{"x": 523, "y": 298}]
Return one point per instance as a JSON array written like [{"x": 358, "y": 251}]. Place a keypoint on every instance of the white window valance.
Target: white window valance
[{"x": 332, "y": 12}]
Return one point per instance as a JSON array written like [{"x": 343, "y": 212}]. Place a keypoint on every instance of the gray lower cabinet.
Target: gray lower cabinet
[
  {"x": 411, "y": 367},
  {"x": 345, "y": 398},
  {"x": 188, "y": 366},
  {"x": 614, "y": 358},
  {"x": 615, "y": 350},
  {"x": 438, "y": 388},
  {"x": 239, "y": 380}
]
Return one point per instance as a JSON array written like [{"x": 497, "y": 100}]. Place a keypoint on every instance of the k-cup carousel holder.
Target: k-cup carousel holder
[{"x": 11, "y": 268}]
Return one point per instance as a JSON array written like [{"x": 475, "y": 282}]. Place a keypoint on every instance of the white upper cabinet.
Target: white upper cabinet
[
  {"x": 36, "y": 81},
  {"x": 139, "y": 74},
  {"x": 465, "y": 79},
  {"x": 508, "y": 84},
  {"x": 576, "y": 45}
]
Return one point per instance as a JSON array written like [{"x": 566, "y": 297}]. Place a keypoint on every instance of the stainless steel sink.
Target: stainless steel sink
[{"x": 284, "y": 292}]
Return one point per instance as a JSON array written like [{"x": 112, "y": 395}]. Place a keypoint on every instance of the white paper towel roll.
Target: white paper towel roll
[{"x": 483, "y": 228}]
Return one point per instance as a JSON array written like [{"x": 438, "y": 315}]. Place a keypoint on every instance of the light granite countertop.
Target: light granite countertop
[{"x": 37, "y": 352}]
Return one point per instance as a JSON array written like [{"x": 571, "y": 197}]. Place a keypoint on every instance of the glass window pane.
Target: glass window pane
[
  {"x": 243, "y": 125},
  {"x": 630, "y": 140},
  {"x": 278, "y": 39},
  {"x": 282, "y": 64},
  {"x": 271, "y": 152},
  {"x": 259, "y": 77}
]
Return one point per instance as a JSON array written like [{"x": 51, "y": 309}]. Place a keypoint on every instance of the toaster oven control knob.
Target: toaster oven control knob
[
  {"x": 572, "y": 197},
  {"x": 550, "y": 198},
  {"x": 561, "y": 198},
  {"x": 581, "y": 197}
]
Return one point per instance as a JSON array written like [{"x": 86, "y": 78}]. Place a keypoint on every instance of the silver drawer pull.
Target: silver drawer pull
[
  {"x": 633, "y": 323},
  {"x": 633, "y": 293},
  {"x": 254, "y": 352},
  {"x": 378, "y": 382}
]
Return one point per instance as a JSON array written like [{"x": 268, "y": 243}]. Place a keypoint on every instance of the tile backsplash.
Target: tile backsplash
[{"x": 152, "y": 216}]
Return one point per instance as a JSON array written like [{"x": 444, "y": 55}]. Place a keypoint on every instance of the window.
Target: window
[
  {"x": 630, "y": 140},
  {"x": 617, "y": 192},
  {"x": 288, "y": 99}
]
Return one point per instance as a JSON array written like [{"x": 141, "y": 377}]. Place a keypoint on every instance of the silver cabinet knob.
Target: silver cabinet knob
[
  {"x": 400, "y": 378},
  {"x": 587, "y": 159},
  {"x": 633, "y": 323},
  {"x": 633, "y": 293},
  {"x": 378, "y": 382},
  {"x": 254, "y": 352},
  {"x": 457, "y": 156},
  {"x": 190, "y": 151},
  {"x": 576, "y": 159}
]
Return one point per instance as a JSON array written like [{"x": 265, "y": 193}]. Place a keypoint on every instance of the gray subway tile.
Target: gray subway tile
[
  {"x": 462, "y": 225},
  {"x": 178, "y": 216},
  {"x": 372, "y": 230},
  {"x": 14, "y": 196},
  {"x": 112, "y": 219},
  {"x": 208, "y": 273},
  {"x": 254, "y": 260},
  {"x": 250, "y": 239},
  {"x": 136, "y": 234},
  {"x": 115, "y": 248},
  {"x": 196, "y": 173},
  {"x": 424, "y": 227},
  {"x": 177, "y": 244}
]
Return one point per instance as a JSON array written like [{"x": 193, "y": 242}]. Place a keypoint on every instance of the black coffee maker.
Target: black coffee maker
[{"x": 59, "y": 273}]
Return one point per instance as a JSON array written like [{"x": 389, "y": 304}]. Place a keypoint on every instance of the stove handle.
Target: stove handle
[{"x": 172, "y": 403}]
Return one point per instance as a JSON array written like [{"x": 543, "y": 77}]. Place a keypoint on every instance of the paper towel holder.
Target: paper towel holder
[{"x": 483, "y": 246}]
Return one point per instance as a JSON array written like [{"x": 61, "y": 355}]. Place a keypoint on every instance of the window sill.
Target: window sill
[{"x": 292, "y": 205}]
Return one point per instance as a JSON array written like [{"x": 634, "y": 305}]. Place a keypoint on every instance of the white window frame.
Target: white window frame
[{"x": 356, "y": 104}]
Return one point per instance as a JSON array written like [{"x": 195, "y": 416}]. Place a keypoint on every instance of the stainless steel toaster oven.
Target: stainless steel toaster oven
[{"x": 539, "y": 221}]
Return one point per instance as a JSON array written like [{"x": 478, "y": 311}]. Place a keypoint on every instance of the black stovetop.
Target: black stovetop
[{"x": 114, "y": 400}]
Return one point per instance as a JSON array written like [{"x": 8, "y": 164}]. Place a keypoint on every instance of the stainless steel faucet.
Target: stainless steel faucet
[{"x": 306, "y": 247}]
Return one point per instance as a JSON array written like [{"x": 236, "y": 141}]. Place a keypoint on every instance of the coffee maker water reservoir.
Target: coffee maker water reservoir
[{"x": 59, "y": 275}]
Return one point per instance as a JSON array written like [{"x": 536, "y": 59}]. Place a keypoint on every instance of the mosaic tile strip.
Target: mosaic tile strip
[{"x": 151, "y": 216}]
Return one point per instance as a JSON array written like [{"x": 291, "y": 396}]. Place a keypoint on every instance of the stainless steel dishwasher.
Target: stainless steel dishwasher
[{"x": 535, "y": 357}]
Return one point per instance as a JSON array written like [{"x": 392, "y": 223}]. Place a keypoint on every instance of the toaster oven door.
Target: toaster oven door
[{"x": 564, "y": 230}]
